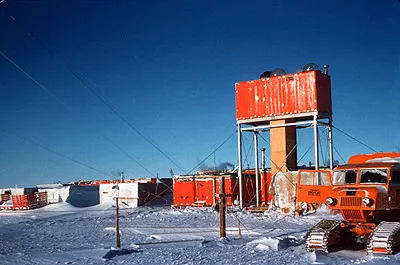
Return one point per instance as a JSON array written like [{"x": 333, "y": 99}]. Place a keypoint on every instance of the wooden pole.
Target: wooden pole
[
  {"x": 222, "y": 208},
  {"x": 117, "y": 223},
  {"x": 239, "y": 231}
]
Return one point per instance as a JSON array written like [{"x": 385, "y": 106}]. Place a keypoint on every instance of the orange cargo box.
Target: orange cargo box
[{"x": 283, "y": 95}]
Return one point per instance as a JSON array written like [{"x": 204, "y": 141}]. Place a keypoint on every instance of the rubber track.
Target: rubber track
[
  {"x": 317, "y": 236},
  {"x": 382, "y": 239}
]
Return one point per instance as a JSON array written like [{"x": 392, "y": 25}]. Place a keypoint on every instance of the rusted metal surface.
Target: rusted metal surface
[{"x": 282, "y": 95}]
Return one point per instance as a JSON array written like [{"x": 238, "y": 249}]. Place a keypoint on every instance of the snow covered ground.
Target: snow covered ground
[{"x": 62, "y": 234}]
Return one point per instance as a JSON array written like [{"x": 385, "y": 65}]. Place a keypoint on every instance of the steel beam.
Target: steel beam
[
  {"x": 330, "y": 135},
  {"x": 256, "y": 167},
  {"x": 239, "y": 132},
  {"x": 316, "y": 142}
]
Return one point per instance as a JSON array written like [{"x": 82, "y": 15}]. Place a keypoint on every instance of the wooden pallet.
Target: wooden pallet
[{"x": 260, "y": 209}]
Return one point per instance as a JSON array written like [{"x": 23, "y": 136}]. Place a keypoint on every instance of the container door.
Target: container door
[{"x": 314, "y": 186}]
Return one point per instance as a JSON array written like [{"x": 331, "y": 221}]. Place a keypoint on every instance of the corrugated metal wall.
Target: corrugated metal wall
[{"x": 282, "y": 95}]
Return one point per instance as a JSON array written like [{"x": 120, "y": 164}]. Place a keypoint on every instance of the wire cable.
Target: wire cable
[
  {"x": 246, "y": 154},
  {"x": 358, "y": 141},
  {"x": 327, "y": 162},
  {"x": 215, "y": 150},
  {"x": 63, "y": 104},
  {"x": 344, "y": 161},
  {"x": 96, "y": 94},
  {"x": 54, "y": 151},
  {"x": 320, "y": 148},
  {"x": 34, "y": 80},
  {"x": 129, "y": 156},
  {"x": 308, "y": 150}
]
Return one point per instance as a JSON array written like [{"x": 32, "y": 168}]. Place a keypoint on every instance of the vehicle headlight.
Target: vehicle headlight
[
  {"x": 367, "y": 201},
  {"x": 330, "y": 200}
]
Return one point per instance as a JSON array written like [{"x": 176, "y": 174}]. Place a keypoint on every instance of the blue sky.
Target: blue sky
[{"x": 169, "y": 68}]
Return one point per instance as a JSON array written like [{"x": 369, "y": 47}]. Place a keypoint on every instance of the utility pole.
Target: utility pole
[
  {"x": 118, "y": 238},
  {"x": 222, "y": 208},
  {"x": 239, "y": 231},
  {"x": 117, "y": 224}
]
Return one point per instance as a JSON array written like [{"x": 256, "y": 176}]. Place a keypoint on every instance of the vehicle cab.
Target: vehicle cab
[{"x": 368, "y": 190}]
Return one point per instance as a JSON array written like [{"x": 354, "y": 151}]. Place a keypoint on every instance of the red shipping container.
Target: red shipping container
[
  {"x": 283, "y": 95},
  {"x": 265, "y": 179},
  {"x": 184, "y": 192},
  {"x": 200, "y": 190},
  {"x": 204, "y": 194}
]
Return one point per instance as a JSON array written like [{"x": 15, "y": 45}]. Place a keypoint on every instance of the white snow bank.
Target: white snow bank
[
  {"x": 60, "y": 209},
  {"x": 66, "y": 207},
  {"x": 264, "y": 244},
  {"x": 277, "y": 243}
]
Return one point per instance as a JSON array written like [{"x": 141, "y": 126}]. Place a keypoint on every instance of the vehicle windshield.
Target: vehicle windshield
[
  {"x": 374, "y": 176},
  {"x": 344, "y": 177}
]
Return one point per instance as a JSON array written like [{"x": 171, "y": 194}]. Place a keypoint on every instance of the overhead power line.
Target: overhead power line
[
  {"x": 215, "y": 150},
  {"x": 54, "y": 151},
  {"x": 111, "y": 108},
  {"x": 94, "y": 92},
  {"x": 64, "y": 105},
  {"x": 128, "y": 155},
  {"x": 34, "y": 80},
  {"x": 358, "y": 141},
  {"x": 308, "y": 150}
]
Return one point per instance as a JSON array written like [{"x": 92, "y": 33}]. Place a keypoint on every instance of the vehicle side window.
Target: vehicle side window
[
  {"x": 396, "y": 177},
  {"x": 306, "y": 178},
  {"x": 314, "y": 178},
  {"x": 321, "y": 179},
  {"x": 373, "y": 176}
]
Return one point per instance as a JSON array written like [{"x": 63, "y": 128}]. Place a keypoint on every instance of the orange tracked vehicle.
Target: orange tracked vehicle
[{"x": 366, "y": 191}]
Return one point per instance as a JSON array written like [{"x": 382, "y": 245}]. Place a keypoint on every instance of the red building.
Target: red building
[{"x": 203, "y": 189}]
